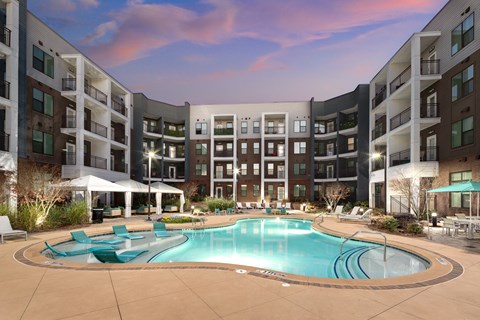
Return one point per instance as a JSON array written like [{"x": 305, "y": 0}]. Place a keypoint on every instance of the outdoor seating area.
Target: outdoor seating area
[{"x": 6, "y": 229}]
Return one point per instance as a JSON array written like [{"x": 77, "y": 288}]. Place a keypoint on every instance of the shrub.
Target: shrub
[
  {"x": 74, "y": 213},
  {"x": 389, "y": 223},
  {"x": 414, "y": 228},
  {"x": 348, "y": 207},
  {"x": 219, "y": 203},
  {"x": 363, "y": 204},
  {"x": 404, "y": 219},
  {"x": 175, "y": 219},
  {"x": 25, "y": 218}
]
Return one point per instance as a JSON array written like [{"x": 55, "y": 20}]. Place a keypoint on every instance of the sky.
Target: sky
[{"x": 238, "y": 51}]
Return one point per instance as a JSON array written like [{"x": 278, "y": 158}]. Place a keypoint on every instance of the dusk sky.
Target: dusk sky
[{"x": 238, "y": 51}]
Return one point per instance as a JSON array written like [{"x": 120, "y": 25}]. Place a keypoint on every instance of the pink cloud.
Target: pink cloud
[
  {"x": 266, "y": 62},
  {"x": 67, "y": 5}
]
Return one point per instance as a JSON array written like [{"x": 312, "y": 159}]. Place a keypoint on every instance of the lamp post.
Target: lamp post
[
  {"x": 150, "y": 156},
  {"x": 378, "y": 155}
]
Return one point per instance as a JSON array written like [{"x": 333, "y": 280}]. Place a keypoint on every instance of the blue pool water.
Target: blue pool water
[{"x": 281, "y": 245}]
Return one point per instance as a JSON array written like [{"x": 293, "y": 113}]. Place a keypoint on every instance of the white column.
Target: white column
[
  {"x": 182, "y": 202},
  {"x": 158, "y": 199},
  {"x": 80, "y": 112},
  {"x": 128, "y": 204},
  {"x": 415, "y": 141},
  {"x": 286, "y": 158}
]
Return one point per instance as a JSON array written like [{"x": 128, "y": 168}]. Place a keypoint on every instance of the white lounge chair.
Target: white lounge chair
[
  {"x": 240, "y": 206},
  {"x": 6, "y": 229},
  {"x": 267, "y": 205},
  {"x": 338, "y": 210},
  {"x": 364, "y": 217},
  {"x": 259, "y": 205},
  {"x": 279, "y": 205},
  {"x": 248, "y": 205},
  {"x": 354, "y": 211},
  {"x": 288, "y": 206}
]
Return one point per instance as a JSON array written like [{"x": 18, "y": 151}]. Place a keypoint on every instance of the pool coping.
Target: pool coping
[{"x": 441, "y": 269}]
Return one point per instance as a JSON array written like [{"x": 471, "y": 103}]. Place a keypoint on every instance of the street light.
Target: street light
[
  {"x": 378, "y": 155},
  {"x": 151, "y": 154}
]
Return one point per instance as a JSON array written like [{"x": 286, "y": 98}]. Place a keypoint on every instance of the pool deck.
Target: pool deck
[{"x": 34, "y": 288}]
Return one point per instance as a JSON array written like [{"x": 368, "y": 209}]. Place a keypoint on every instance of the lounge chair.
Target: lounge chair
[
  {"x": 121, "y": 231},
  {"x": 461, "y": 216},
  {"x": 111, "y": 256},
  {"x": 160, "y": 230},
  {"x": 259, "y": 205},
  {"x": 268, "y": 210},
  {"x": 354, "y": 211},
  {"x": 240, "y": 206},
  {"x": 278, "y": 206},
  {"x": 6, "y": 229},
  {"x": 78, "y": 252},
  {"x": 267, "y": 205},
  {"x": 218, "y": 211},
  {"x": 288, "y": 206},
  {"x": 363, "y": 217},
  {"x": 338, "y": 210},
  {"x": 248, "y": 205},
  {"x": 81, "y": 236},
  {"x": 229, "y": 210},
  {"x": 283, "y": 211}
]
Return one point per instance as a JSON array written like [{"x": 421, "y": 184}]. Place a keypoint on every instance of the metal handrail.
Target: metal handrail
[{"x": 371, "y": 232}]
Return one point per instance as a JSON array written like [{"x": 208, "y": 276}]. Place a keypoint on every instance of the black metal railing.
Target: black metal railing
[
  {"x": 325, "y": 175},
  {"x": 401, "y": 118},
  {"x": 223, "y": 131},
  {"x": 378, "y": 164},
  {"x": 348, "y": 124},
  {"x": 174, "y": 133},
  {"x": 430, "y": 110},
  {"x": 325, "y": 131},
  {"x": 120, "y": 138},
  {"x": 224, "y": 153},
  {"x": 430, "y": 67},
  {"x": 5, "y": 89},
  {"x": 328, "y": 153},
  {"x": 6, "y": 36},
  {"x": 119, "y": 106},
  {"x": 95, "y": 93},
  {"x": 95, "y": 162},
  {"x": 399, "y": 158},
  {"x": 69, "y": 158},
  {"x": 97, "y": 128},
  {"x": 119, "y": 167},
  {"x": 379, "y": 131},
  {"x": 429, "y": 153},
  {"x": 379, "y": 97},
  {"x": 152, "y": 128},
  {"x": 69, "y": 122},
  {"x": 69, "y": 84},
  {"x": 4, "y": 141},
  {"x": 348, "y": 172},
  {"x": 400, "y": 79},
  {"x": 275, "y": 130}
]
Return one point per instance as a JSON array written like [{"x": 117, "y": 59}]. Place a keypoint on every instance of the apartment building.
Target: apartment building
[{"x": 423, "y": 112}]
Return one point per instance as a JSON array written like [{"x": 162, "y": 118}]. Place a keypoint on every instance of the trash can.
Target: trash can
[{"x": 97, "y": 215}]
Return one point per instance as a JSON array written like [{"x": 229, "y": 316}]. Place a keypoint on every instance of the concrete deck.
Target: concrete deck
[{"x": 36, "y": 289}]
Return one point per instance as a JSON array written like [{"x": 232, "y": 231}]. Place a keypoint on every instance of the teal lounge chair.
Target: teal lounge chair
[
  {"x": 268, "y": 210},
  {"x": 217, "y": 211},
  {"x": 160, "y": 230},
  {"x": 81, "y": 236},
  {"x": 111, "y": 256},
  {"x": 283, "y": 210},
  {"x": 78, "y": 252},
  {"x": 229, "y": 210},
  {"x": 121, "y": 231}
]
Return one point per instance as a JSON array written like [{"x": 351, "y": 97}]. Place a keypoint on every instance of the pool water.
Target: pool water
[{"x": 291, "y": 246}]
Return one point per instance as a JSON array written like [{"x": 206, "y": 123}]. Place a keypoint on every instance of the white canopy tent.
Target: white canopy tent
[
  {"x": 165, "y": 188},
  {"x": 135, "y": 186}
]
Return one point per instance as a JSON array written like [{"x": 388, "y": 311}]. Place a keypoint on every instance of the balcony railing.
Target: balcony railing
[
  {"x": 429, "y": 153},
  {"x": 119, "y": 167},
  {"x": 430, "y": 67},
  {"x": 348, "y": 172},
  {"x": 152, "y": 129},
  {"x": 174, "y": 133},
  {"x": 378, "y": 164},
  {"x": 378, "y": 131},
  {"x": 325, "y": 175},
  {"x": 69, "y": 158},
  {"x": 69, "y": 84},
  {"x": 223, "y": 131},
  {"x": 275, "y": 130},
  {"x": 119, "y": 106},
  {"x": 348, "y": 124},
  {"x": 95, "y": 162},
  {"x": 95, "y": 93},
  {"x": 430, "y": 110},
  {"x": 6, "y": 36},
  {"x": 325, "y": 131},
  {"x": 119, "y": 138},
  {"x": 224, "y": 153},
  {"x": 5, "y": 89},
  {"x": 4, "y": 141},
  {"x": 401, "y": 118},
  {"x": 399, "y": 158},
  {"x": 379, "y": 97},
  {"x": 97, "y": 128},
  {"x": 69, "y": 122},
  {"x": 400, "y": 80},
  {"x": 328, "y": 153}
]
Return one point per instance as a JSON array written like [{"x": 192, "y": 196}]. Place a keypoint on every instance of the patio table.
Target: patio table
[{"x": 470, "y": 223}]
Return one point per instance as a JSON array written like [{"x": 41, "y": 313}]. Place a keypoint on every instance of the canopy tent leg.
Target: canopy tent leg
[{"x": 158, "y": 198}]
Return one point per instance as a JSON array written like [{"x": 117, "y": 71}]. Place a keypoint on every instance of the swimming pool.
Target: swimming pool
[{"x": 281, "y": 245}]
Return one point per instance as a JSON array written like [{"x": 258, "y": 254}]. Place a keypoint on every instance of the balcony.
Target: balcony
[
  {"x": 429, "y": 153},
  {"x": 378, "y": 164},
  {"x": 401, "y": 118},
  {"x": 175, "y": 133},
  {"x": 96, "y": 128},
  {"x": 275, "y": 130},
  {"x": 400, "y": 158},
  {"x": 120, "y": 138},
  {"x": 348, "y": 124},
  {"x": 69, "y": 122},
  {"x": 348, "y": 172},
  {"x": 379, "y": 97},
  {"x": 6, "y": 36},
  {"x": 223, "y": 131},
  {"x": 430, "y": 67},
  {"x": 328, "y": 153},
  {"x": 119, "y": 106},
  {"x": 400, "y": 80},
  {"x": 5, "y": 89},
  {"x": 223, "y": 154},
  {"x": 69, "y": 84},
  {"x": 95, "y": 94},
  {"x": 378, "y": 131},
  {"x": 430, "y": 110},
  {"x": 69, "y": 158},
  {"x": 95, "y": 162},
  {"x": 4, "y": 141},
  {"x": 325, "y": 175},
  {"x": 119, "y": 167},
  {"x": 152, "y": 129}
]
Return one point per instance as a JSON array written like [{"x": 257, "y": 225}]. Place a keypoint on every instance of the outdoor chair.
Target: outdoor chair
[
  {"x": 288, "y": 206},
  {"x": 283, "y": 211},
  {"x": 111, "y": 256},
  {"x": 354, "y": 211},
  {"x": 461, "y": 216},
  {"x": 229, "y": 210},
  {"x": 248, "y": 205},
  {"x": 259, "y": 205},
  {"x": 278, "y": 205},
  {"x": 6, "y": 229},
  {"x": 239, "y": 206},
  {"x": 363, "y": 217},
  {"x": 81, "y": 237},
  {"x": 160, "y": 230},
  {"x": 268, "y": 210},
  {"x": 121, "y": 231},
  {"x": 78, "y": 252},
  {"x": 267, "y": 205},
  {"x": 218, "y": 211},
  {"x": 338, "y": 210},
  {"x": 449, "y": 224}
]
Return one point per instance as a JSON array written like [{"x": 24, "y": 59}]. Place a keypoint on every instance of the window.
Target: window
[
  {"x": 244, "y": 128},
  {"x": 202, "y": 190},
  {"x": 243, "y": 169},
  {"x": 319, "y": 127},
  {"x": 299, "y": 169},
  {"x": 201, "y": 128},
  {"x": 330, "y": 126},
  {"x": 243, "y": 190},
  {"x": 462, "y": 83},
  {"x": 256, "y": 147},
  {"x": 229, "y": 149},
  {"x": 229, "y": 169},
  {"x": 270, "y": 169},
  {"x": 256, "y": 190},
  {"x": 201, "y": 169},
  {"x": 270, "y": 149},
  {"x": 351, "y": 144},
  {"x": 42, "y": 61},
  {"x": 462, "y": 132},
  {"x": 244, "y": 148},
  {"x": 463, "y": 34},
  {"x": 300, "y": 126},
  {"x": 219, "y": 147},
  {"x": 229, "y": 125},
  {"x": 42, "y": 142},
  {"x": 300, "y": 148},
  {"x": 270, "y": 190},
  {"x": 460, "y": 199},
  {"x": 256, "y": 126},
  {"x": 256, "y": 169},
  {"x": 201, "y": 149},
  {"x": 42, "y": 102},
  {"x": 299, "y": 190}
]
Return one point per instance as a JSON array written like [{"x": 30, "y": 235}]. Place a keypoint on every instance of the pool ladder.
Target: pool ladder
[{"x": 371, "y": 232}]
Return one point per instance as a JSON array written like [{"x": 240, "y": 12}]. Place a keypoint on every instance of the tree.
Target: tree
[
  {"x": 334, "y": 192},
  {"x": 414, "y": 190},
  {"x": 190, "y": 190}
]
